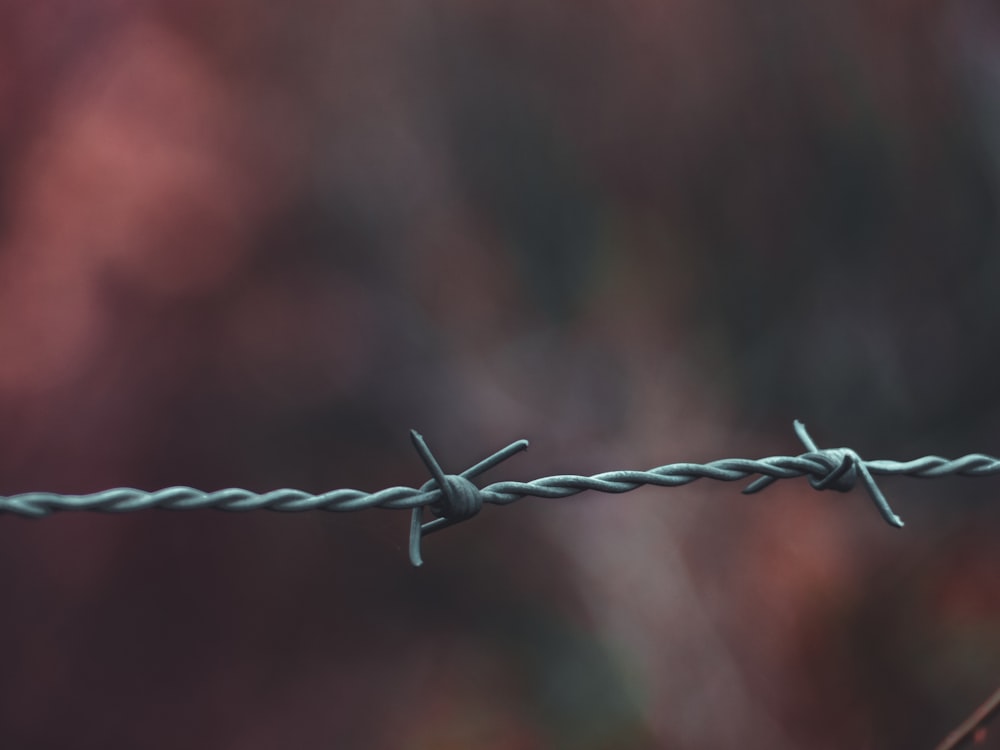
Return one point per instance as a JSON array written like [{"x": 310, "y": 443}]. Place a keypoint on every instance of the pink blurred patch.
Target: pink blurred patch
[{"x": 137, "y": 175}]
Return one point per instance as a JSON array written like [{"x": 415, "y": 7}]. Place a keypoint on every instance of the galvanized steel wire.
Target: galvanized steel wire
[{"x": 454, "y": 498}]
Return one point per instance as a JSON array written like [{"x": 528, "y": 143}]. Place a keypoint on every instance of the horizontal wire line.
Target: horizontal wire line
[
  {"x": 816, "y": 465},
  {"x": 454, "y": 498}
]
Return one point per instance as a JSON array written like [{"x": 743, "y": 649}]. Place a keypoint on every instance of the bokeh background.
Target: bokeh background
[{"x": 252, "y": 244}]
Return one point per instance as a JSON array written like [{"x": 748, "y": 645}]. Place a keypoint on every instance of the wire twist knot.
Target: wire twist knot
[
  {"x": 834, "y": 469},
  {"x": 841, "y": 469},
  {"x": 459, "y": 499}
]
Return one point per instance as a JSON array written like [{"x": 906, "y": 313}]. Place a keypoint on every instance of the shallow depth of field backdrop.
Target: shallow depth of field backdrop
[{"x": 252, "y": 244}]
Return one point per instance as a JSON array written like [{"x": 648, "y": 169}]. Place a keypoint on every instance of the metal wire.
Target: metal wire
[{"x": 454, "y": 498}]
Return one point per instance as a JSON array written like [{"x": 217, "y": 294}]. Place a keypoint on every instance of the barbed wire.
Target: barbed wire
[{"x": 454, "y": 497}]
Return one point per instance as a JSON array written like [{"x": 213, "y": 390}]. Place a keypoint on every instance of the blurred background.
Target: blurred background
[{"x": 252, "y": 244}]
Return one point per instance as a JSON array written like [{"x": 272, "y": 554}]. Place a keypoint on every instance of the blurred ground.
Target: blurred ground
[{"x": 252, "y": 244}]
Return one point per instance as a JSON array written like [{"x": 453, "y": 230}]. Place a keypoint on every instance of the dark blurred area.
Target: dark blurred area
[{"x": 252, "y": 244}]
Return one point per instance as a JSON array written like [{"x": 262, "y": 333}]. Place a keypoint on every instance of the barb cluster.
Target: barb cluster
[{"x": 453, "y": 498}]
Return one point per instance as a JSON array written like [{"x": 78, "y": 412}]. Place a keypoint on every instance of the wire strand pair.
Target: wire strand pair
[{"x": 454, "y": 498}]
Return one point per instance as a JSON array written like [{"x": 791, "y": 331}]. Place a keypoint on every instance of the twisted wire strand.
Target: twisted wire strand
[
  {"x": 123, "y": 499},
  {"x": 454, "y": 498},
  {"x": 731, "y": 470}
]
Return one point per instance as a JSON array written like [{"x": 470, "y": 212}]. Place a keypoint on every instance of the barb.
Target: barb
[
  {"x": 454, "y": 497},
  {"x": 460, "y": 499}
]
